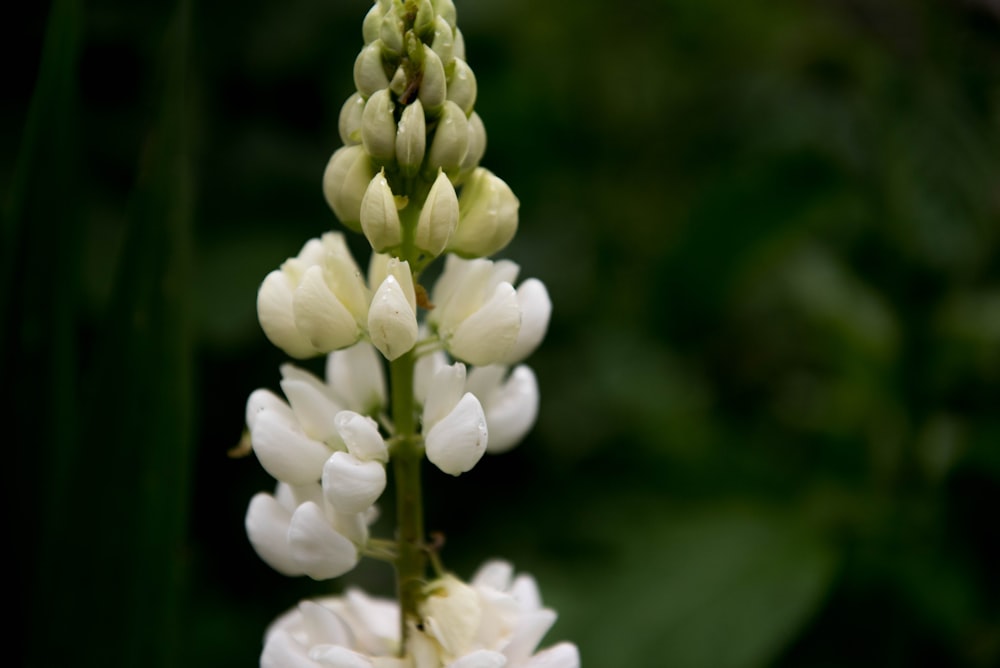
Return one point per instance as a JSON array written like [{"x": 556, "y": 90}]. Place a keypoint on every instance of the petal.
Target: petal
[
  {"x": 281, "y": 650},
  {"x": 362, "y": 437},
  {"x": 482, "y": 658},
  {"x": 495, "y": 573},
  {"x": 320, "y": 315},
  {"x": 423, "y": 374},
  {"x": 339, "y": 657},
  {"x": 563, "y": 655},
  {"x": 355, "y": 374},
  {"x": 260, "y": 400},
  {"x": 392, "y": 322},
  {"x": 284, "y": 451},
  {"x": 458, "y": 441},
  {"x": 351, "y": 485},
  {"x": 320, "y": 552},
  {"x": 531, "y": 628},
  {"x": 266, "y": 524},
  {"x": 322, "y": 625},
  {"x": 443, "y": 394},
  {"x": 525, "y": 592},
  {"x": 313, "y": 409},
  {"x": 511, "y": 410},
  {"x": 275, "y": 312},
  {"x": 487, "y": 335},
  {"x": 536, "y": 308}
]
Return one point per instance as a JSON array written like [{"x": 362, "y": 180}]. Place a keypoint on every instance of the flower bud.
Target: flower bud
[
  {"x": 320, "y": 315},
  {"x": 360, "y": 435},
  {"x": 477, "y": 144},
  {"x": 391, "y": 32},
  {"x": 423, "y": 23},
  {"x": 378, "y": 127},
  {"x": 373, "y": 23},
  {"x": 350, "y": 119},
  {"x": 462, "y": 86},
  {"x": 451, "y": 139},
  {"x": 438, "y": 217},
  {"x": 443, "y": 43},
  {"x": 352, "y": 485},
  {"x": 274, "y": 310},
  {"x": 392, "y": 318},
  {"x": 536, "y": 307},
  {"x": 369, "y": 72},
  {"x": 399, "y": 82},
  {"x": 345, "y": 182},
  {"x": 434, "y": 85},
  {"x": 459, "y": 47},
  {"x": 411, "y": 138},
  {"x": 487, "y": 215},
  {"x": 487, "y": 335},
  {"x": 458, "y": 441},
  {"x": 444, "y": 391},
  {"x": 320, "y": 551},
  {"x": 446, "y": 10},
  {"x": 379, "y": 217}
]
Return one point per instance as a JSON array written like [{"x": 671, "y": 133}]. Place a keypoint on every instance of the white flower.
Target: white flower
[
  {"x": 297, "y": 533},
  {"x": 392, "y": 319},
  {"x": 293, "y": 440},
  {"x": 454, "y": 426},
  {"x": 495, "y": 620}
]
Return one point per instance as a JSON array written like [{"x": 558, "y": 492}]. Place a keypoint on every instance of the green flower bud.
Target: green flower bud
[
  {"x": 345, "y": 181},
  {"x": 391, "y": 32},
  {"x": 451, "y": 139},
  {"x": 462, "y": 86},
  {"x": 487, "y": 216},
  {"x": 443, "y": 43},
  {"x": 378, "y": 127},
  {"x": 369, "y": 73},
  {"x": 399, "y": 82},
  {"x": 446, "y": 10},
  {"x": 434, "y": 87},
  {"x": 423, "y": 24},
  {"x": 459, "y": 47},
  {"x": 477, "y": 143},
  {"x": 372, "y": 23},
  {"x": 350, "y": 119},
  {"x": 411, "y": 138},
  {"x": 438, "y": 218},
  {"x": 379, "y": 217}
]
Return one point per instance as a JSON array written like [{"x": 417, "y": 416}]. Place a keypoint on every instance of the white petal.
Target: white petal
[
  {"x": 284, "y": 451},
  {"x": 320, "y": 315},
  {"x": 443, "y": 394},
  {"x": 563, "y": 655},
  {"x": 392, "y": 322},
  {"x": 487, "y": 335},
  {"x": 320, "y": 552},
  {"x": 313, "y": 409},
  {"x": 267, "y": 523},
  {"x": 260, "y": 400},
  {"x": 459, "y": 292},
  {"x": 362, "y": 437},
  {"x": 322, "y": 625},
  {"x": 353, "y": 526},
  {"x": 531, "y": 628},
  {"x": 423, "y": 374},
  {"x": 356, "y": 375},
  {"x": 275, "y": 312},
  {"x": 511, "y": 410},
  {"x": 339, "y": 657},
  {"x": 525, "y": 592},
  {"x": 536, "y": 308},
  {"x": 458, "y": 441},
  {"x": 375, "y": 622},
  {"x": 482, "y": 658},
  {"x": 282, "y": 651},
  {"x": 495, "y": 574},
  {"x": 451, "y": 614},
  {"x": 351, "y": 485}
]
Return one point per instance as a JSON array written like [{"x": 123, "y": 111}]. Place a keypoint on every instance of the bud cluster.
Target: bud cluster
[{"x": 408, "y": 175}]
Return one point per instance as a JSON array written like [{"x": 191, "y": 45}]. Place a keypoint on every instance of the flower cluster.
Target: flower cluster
[
  {"x": 495, "y": 620},
  {"x": 408, "y": 178}
]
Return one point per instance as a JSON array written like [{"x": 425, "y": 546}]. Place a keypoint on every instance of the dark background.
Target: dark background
[{"x": 770, "y": 423}]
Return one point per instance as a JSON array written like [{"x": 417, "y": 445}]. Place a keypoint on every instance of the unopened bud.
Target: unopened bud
[
  {"x": 350, "y": 119},
  {"x": 451, "y": 139},
  {"x": 462, "y": 86},
  {"x": 345, "y": 182},
  {"x": 443, "y": 43},
  {"x": 438, "y": 218},
  {"x": 378, "y": 127},
  {"x": 434, "y": 86},
  {"x": 423, "y": 24},
  {"x": 369, "y": 72},
  {"x": 392, "y": 318},
  {"x": 372, "y": 23},
  {"x": 459, "y": 48},
  {"x": 391, "y": 32},
  {"x": 446, "y": 10},
  {"x": 411, "y": 138},
  {"x": 379, "y": 217},
  {"x": 487, "y": 215},
  {"x": 477, "y": 143},
  {"x": 399, "y": 81}
]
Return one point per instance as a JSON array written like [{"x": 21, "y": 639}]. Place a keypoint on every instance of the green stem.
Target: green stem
[{"x": 411, "y": 560}]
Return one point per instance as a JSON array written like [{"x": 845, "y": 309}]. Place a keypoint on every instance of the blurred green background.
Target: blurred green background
[{"x": 770, "y": 423}]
